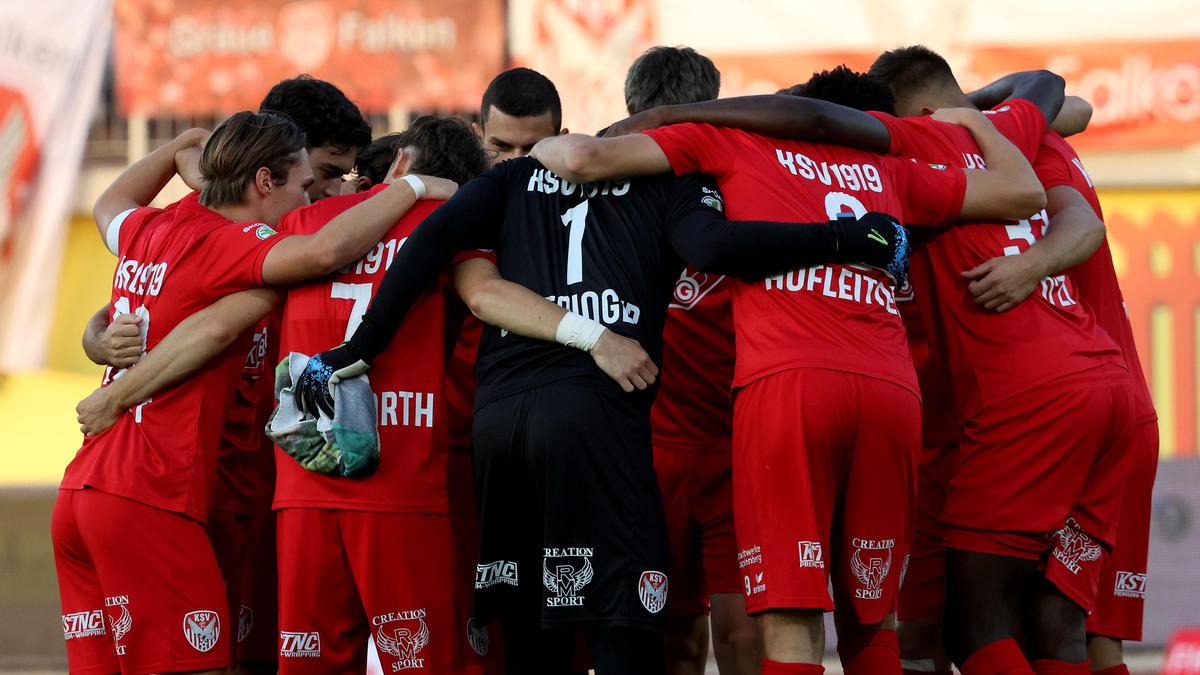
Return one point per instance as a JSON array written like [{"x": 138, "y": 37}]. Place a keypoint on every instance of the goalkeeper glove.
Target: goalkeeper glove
[
  {"x": 314, "y": 389},
  {"x": 876, "y": 240}
]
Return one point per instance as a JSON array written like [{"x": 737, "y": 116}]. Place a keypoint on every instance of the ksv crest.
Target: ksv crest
[
  {"x": 692, "y": 286},
  {"x": 245, "y": 623},
  {"x": 566, "y": 581},
  {"x": 477, "y": 636},
  {"x": 202, "y": 629},
  {"x": 405, "y": 642},
  {"x": 1074, "y": 547},
  {"x": 652, "y": 591},
  {"x": 871, "y": 567}
]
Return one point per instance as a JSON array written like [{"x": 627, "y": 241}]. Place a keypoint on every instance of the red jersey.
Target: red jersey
[
  {"x": 244, "y": 475},
  {"x": 461, "y": 382},
  {"x": 838, "y": 317},
  {"x": 1096, "y": 278},
  {"x": 408, "y": 378},
  {"x": 694, "y": 407},
  {"x": 992, "y": 356},
  {"x": 173, "y": 262}
]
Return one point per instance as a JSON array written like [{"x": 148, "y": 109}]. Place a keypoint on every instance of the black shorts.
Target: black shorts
[{"x": 571, "y": 521}]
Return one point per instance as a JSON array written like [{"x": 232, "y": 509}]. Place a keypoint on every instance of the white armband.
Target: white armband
[
  {"x": 578, "y": 331},
  {"x": 112, "y": 233},
  {"x": 416, "y": 184}
]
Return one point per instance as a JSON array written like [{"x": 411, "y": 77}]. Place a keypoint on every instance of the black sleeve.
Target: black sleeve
[
  {"x": 471, "y": 218},
  {"x": 750, "y": 249}
]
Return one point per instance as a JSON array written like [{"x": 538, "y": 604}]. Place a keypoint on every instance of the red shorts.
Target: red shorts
[
  {"x": 347, "y": 576},
  {"x": 924, "y": 583},
  {"x": 697, "y": 493},
  {"x": 140, "y": 587},
  {"x": 1122, "y": 596},
  {"x": 258, "y": 605},
  {"x": 229, "y": 532},
  {"x": 1044, "y": 472},
  {"x": 808, "y": 444}
]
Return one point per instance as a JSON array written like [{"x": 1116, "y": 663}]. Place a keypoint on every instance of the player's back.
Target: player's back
[
  {"x": 600, "y": 250},
  {"x": 996, "y": 355},
  {"x": 172, "y": 263},
  {"x": 407, "y": 379},
  {"x": 1096, "y": 278},
  {"x": 839, "y": 317}
]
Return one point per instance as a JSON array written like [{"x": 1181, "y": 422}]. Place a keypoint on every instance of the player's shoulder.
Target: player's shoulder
[{"x": 310, "y": 218}]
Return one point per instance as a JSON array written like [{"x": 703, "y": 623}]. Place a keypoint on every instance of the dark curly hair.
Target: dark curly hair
[
  {"x": 321, "y": 111},
  {"x": 374, "y": 161},
  {"x": 522, "y": 92},
  {"x": 849, "y": 88},
  {"x": 912, "y": 68},
  {"x": 444, "y": 147},
  {"x": 670, "y": 76}
]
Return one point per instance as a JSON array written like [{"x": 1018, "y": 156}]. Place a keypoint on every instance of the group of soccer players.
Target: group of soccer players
[{"x": 674, "y": 384}]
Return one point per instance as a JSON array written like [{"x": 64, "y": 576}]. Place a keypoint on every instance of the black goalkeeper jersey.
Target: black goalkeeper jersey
[{"x": 602, "y": 250}]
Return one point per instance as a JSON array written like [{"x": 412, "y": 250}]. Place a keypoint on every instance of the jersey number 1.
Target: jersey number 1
[{"x": 576, "y": 219}]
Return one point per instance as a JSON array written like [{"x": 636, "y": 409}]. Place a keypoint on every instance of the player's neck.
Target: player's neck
[{"x": 238, "y": 212}]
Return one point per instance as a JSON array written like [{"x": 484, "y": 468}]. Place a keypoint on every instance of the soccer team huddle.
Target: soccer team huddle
[{"x": 543, "y": 402}]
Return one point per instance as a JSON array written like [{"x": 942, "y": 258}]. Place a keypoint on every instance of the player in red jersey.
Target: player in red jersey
[
  {"x": 1057, "y": 519},
  {"x": 692, "y": 423},
  {"x": 1009, "y": 280},
  {"x": 335, "y": 131},
  {"x": 152, "y": 471},
  {"x": 806, "y": 332}
]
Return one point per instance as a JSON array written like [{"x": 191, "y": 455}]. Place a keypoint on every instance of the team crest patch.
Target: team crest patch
[
  {"x": 404, "y": 640},
  {"x": 652, "y": 591},
  {"x": 477, "y": 636},
  {"x": 939, "y": 167},
  {"x": 202, "y": 629},
  {"x": 245, "y": 623},
  {"x": 264, "y": 231},
  {"x": 871, "y": 562},
  {"x": 712, "y": 199},
  {"x": 564, "y": 577}
]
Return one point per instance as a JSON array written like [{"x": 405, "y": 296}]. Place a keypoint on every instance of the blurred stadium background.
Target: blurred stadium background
[{"x": 87, "y": 86}]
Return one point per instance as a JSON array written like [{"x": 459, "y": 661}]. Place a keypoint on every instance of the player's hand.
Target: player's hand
[
  {"x": 97, "y": 412},
  {"x": 964, "y": 117},
  {"x": 313, "y": 391},
  {"x": 121, "y": 343},
  {"x": 876, "y": 240},
  {"x": 647, "y": 119},
  {"x": 1003, "y": 282},
  {"x": 624, "y": 360}
]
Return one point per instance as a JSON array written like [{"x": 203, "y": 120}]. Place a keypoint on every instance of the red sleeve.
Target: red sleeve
[
  {"x": 132, "y": 225},
  {"x": 931, "y": 195},
  {"x": 1052, "y": 167},
  {"x": 474, "y": 254},
  {"x": 1022, "y": 123},
  {"x": 232, "y": 256},
  {"x": 906, "y": 132},
  {"x": 309, "y": 219},
  {"x": 697, "y": 147}
]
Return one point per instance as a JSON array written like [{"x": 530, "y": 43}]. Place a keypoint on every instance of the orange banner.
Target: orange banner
[
  {"x": 202, "y": 57},
  {"x": 1146, "y": 94}
]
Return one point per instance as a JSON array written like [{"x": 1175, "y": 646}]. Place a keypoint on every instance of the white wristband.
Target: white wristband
[
  {"x": 578, "y": 331},
  {"x": 416, "y": 184}
]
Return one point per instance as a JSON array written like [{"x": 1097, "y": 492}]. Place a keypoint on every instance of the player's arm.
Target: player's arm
[
  {"x": 349, "y": 235},
  {"x": 117, "y": 343},
  {"x": 771, "y": 115},
  {"x": 144, "y": 179},
  {"x": 584, "y": 159},
  {"x": 1044, "y": 89},
  {"x": 188, "y": 347},
  {"x": 1074, "y": 117},
  {"x": 472, "y": 217},
  {"x": 1008, "y": 189},
  {"x": 519, "y": 310},
  {"x": 1073, "y": 235}
]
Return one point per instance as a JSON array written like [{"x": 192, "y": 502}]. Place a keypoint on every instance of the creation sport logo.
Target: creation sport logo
[
  {"x": 565, "y": 572},
  {"x": 402, "y": 635},
  {"x": 871, "y": 563}
]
